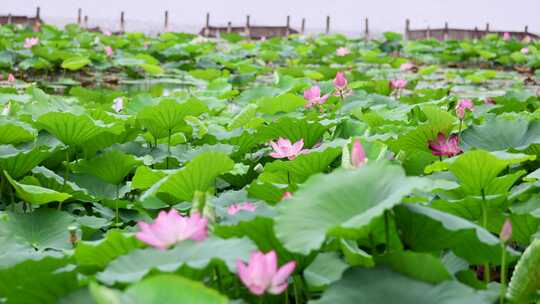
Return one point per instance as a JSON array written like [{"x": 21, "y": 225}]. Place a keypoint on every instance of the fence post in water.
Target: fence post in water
[
  {"x": 229, "y": 27},
  {"x": 487, "y": 28},
  {"x": 247, "y": 28},
  {"x": 79, "y": 16},
  {"x": 526, "y": 29},
  {"x": 9, "y": 18},
  {"x": 428, "y": 33},
  {"x": 445, "y": 32},
  {"x": 86, "y": 21},
  {"x": 206, "y": 32},
  {"x": 288, "y": 26},
  {"x": 303, "y": 26},
  {"x": 122, "y": 22},
  {"x": 38, "y": 13},
  {"x": 407, "y": 28},
  {"x": 475, "y": 35},
  {"x": 366, "y": 30},
  {"x": 327, "y": 31},
  {"x": 166, "y": 23}
]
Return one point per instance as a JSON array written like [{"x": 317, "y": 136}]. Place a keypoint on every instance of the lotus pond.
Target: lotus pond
[{"x": 324, "y": 169}]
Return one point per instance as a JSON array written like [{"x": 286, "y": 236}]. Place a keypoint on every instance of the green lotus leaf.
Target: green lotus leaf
[
  {"x": 342, "y": 203},
  {"x": 35, "y": 194},
  {"x": 112, "y": 166}
]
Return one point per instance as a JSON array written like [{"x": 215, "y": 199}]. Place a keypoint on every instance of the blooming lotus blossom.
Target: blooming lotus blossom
[
  {"x": 118, "y": 104},
  {"x": 313, "y": 96},
  {"x": 246, "y": 206},
  {"x": 462, "y": 105},
  {"x": 106, "y": 32},
  {"x": 506, "y": 36},
  {"x": 341, "y": 85},
  {"x": 285, "y": 149},
  {"x": 7, "y": 109},
  {"x": 340, "y": 82},
  {"x": 11, "y": 78},
  {"x": 171, "y": 227},
  {"x": 109, "y": 51},
  {"x": 506, "y": 231},
  {"x": 398, "y": 84},
  {"x": 342, "y": 51},
  {"x": 262, "y": 274},
  {"x": 30, "y": 42},
  {"x": 445, "y": 147},
  {"x": 358, "y": 156},
  {"x": 286, "y": 195},
  {"x": 525, "y": 51},
  {"x": 407, "y": 66}
]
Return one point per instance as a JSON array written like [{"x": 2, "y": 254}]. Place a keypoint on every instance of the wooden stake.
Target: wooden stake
[
  {"x": 487, "y": 28},
  {"x": 366, "y": 30},
  {"x": 9, "y": 18},
  {"x": 526, "y": 29},
  {"x": 288, "y": 26},
  {"x": 303, "y": 26},
  {"x": 327, "y": 25},
  {"x": 79, "y": 16},
  {"x": 166, "y": 24},
  {"x": 428, "y": 34},
  {"x": 86, "y": 21},
  {"x": 247, "y": 29},
  {"x": 229, "y": 27},
  {"x": 122, "y": 22},
  {"x": 38, "y": 14},
  {"x": 407, "y": 28},
  {"x": 445, "y": 34}
]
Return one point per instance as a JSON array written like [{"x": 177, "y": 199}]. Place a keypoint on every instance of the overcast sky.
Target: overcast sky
[{"x": 346, "y": 15}]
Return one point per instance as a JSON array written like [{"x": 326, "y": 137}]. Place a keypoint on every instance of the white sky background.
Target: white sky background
[{"x": 347, "y": 16}]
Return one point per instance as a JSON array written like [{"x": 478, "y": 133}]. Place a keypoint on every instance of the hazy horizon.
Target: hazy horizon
[{"x": 347, "y": 16}]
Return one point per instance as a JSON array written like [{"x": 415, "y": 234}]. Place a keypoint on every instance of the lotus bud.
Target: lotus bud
[{"x": 506, "y": 231}]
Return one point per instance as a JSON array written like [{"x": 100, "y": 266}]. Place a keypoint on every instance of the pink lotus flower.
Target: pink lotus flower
[
  {"x": 525, "y": 51},
  {"x": 284, "y": 148},
  {"x": 30, "y": 42},
  {"x": 246, "y": 206},
  {"x": 506, "y": 36},
  {"x": 11, "y": 78},
  {"x": 342, "y": 51},
  {"x": 286, "y": 195},
  {"x": 118, "y": 104},
  {"x": 340, "y": 82},
  {"x": 445, "y": 147},
  {"x": 407, "y": 66},
  {"x": 171, "y": 227},
  {"x": 313, "y": 96},
  {"x": 107, "y": 33},
  {"x": 398, "y": 84},
  {"x": 341, "y": 85},
  {"x": 506, "y": 231},
  {"x": 462, "y": 105},
  {"x": 261, "y": 274},
  {"x": 109, "y": 51},
  {"x": 358, "y": 156}
]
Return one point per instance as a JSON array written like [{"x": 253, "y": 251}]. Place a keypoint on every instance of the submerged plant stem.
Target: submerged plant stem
[
  {"x": 116, "y": 205},
  {"x": 503, "y": 274},
  {"x": 487, "y": 274},
  {"x": 66, "y": 176},
  {"x": 386, "y": 230}
]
